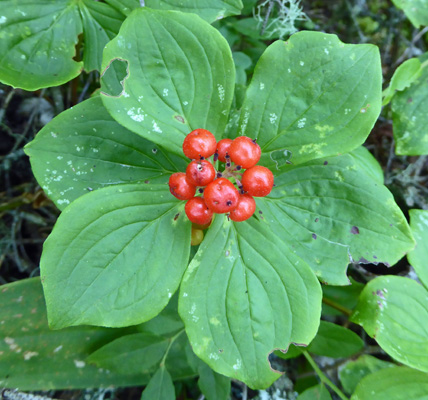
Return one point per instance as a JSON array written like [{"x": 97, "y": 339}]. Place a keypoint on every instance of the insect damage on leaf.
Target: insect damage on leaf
[{"x": 114, "y": 76}]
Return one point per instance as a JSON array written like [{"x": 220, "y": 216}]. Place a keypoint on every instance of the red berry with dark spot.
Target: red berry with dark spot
[
  {"x": 200, "y": 172},
  {"x": 180, "y": 187},
  {"x": 257, "y": 181},
  {"x": 197, "y": 211},
  {"x": 199, "y": 143},
  {"x": 245, "y": 209},
  {"x": 245, "y": 152},
  {"x": 222, "y": 148},
  {"x": 221, "y": 196}
]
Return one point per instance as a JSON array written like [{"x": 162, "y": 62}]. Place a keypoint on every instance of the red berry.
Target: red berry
[
  {"x": 223, "y": 148},
  {"x": 197, "y": 211},
  {"x": 180, "y": 187},
  {"x": 199, "y": 143},
  {"x": 197, "y": 237},
  {"x": 257, "y": 181},
  {"x": 245, "y": 152},
  {"x": 245, "y": 209},
  {"x": 221, "y": 196},
  {"x": 200, "y": 172}
]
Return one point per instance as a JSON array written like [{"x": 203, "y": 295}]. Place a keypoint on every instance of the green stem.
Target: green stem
[
  {"x": 337, "y": 306},
  {"x": 323, "y": 377},
  {"x": 171, "y": 341}
]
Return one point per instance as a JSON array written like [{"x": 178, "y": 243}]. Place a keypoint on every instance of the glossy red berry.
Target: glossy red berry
[
  {"x": 199, "y": 143},
  {"x": 180, "y": 187},
  {"x": 200, "y": 172},
  {"x": 222, "y": 148},
  {"x": 197, "y": 211},
  {"x": 221, "y": 196},
  {"x": 245, "y": 209},
  {"x": 245, "y": 152},
  {"x": 197, "y": 237},
  {"x": 257, "y": 181}
]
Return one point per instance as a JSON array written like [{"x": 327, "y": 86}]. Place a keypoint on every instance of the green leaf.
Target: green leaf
[
  {"x": 115, "y": 256},
  {"x": 418, "y": 258},
  {"x": 101, "y": 23},
  {"x": 292, "y": 352},
  {"x": 167, "y": 323},
  {"x": 331, "y": 212},
  {"x": 37, "y": 42},
  {"x": 403, "y": 77},
  {"x": 409, "y": 116},
  {"x": 346, "y": 296},
  {"x": 353, "y": 371},
  {"x": 394, "y": 311},
  {"x": 318, "y": 392},
  {"x": 139, "y": 353},
  {"x": 244, "y": 294},
  {"x": 160, "y": 386},
  {"x": 335, "y": 341},
  {"x": 33, "y": 357},
  {"x": 399, "y": 383},
  {"x": 84, "y": 149},
  {"x": 415, "y": 10},
  {"x": 143, "y": 350},
  {"x": 180, "y": 77},
  {"x": 331, "y": 341},
  {"x": 214, "y": 386},
  {"x": 314, "y": 96},
  {"x": 366, "y": 161},
  {"x": 209, "y": 10}
]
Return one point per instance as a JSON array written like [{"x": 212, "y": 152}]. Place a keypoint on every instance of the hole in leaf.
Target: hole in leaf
[
  {"x": 114, "y": 77},
  {"x": 78, "y": 48},
  {"x": 280, "y": 157}
]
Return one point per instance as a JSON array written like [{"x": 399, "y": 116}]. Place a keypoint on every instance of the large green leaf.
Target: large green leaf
[
  {"x": 38, "y": 39},
  {"x": 418, "y": 258},
  {"x": 313, "y": 96},
  {"x": 244, "y": 294},
  {"x": 84, "y": 149},
  {"x": 330, "y": 212},
  {"x": 355, "y": 370},
  {"x": 415, "y": 10},
  {"x": 37, "y": 42},
  {"x": 160, "y": 386},
  {"x": 410, "y": 118},
  {"x": 209, "y": 10},
  {"x": 115, "y": 256},
  {"x": 101, "y": 23},
  {"x": 394, "y": 311},
  {"x": 335, "y": 341},
  {"x": 399, "y": 383},
  {"x": 33, "y": 357},
  {"x": 180, "y": 77}
]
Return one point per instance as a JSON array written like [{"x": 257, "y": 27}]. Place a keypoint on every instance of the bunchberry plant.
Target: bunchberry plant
[{"x": 146, "y": 165}]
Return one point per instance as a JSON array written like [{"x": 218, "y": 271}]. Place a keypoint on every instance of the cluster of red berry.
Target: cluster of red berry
[{"x": 219, "y": 194}]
